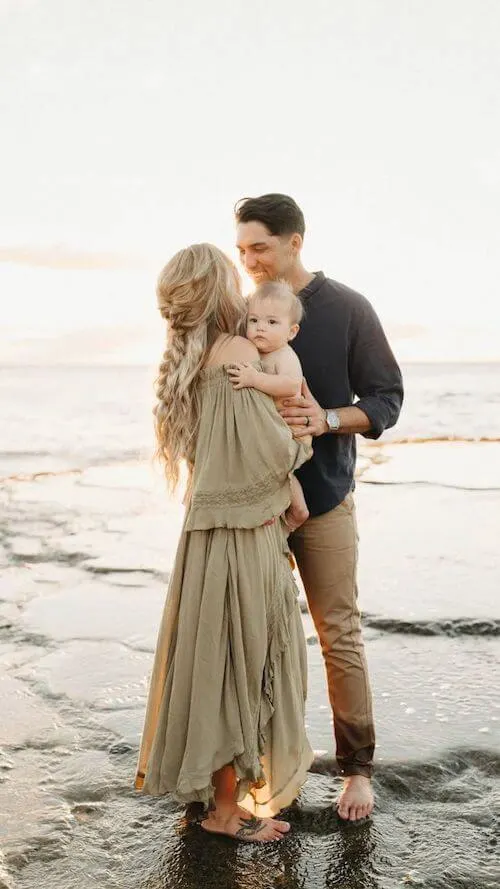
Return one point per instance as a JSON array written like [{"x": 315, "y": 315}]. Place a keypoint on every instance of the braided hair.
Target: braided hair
[{"x": 199, "y": 295}]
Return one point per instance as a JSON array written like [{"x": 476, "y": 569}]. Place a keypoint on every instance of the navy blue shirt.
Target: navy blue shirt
[{"x": 345, "y": 356}]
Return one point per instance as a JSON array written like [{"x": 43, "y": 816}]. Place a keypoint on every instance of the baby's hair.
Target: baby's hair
[{"x": 281, "y": 290}]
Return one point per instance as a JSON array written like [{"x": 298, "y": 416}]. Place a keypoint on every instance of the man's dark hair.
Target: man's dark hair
[{"x": 278, "y": 212}]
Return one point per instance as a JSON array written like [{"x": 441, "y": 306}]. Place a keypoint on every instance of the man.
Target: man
[{"x": 344, "y": 353}]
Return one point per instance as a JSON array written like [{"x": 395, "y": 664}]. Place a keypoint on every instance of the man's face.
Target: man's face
[{"x": 264, "y": 257}]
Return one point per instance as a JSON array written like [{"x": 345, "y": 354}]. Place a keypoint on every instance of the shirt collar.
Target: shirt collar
[{"x": 312, "y": 287}]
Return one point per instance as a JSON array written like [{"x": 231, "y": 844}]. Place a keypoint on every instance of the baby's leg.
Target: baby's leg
[{"x": 297, "y": 512}]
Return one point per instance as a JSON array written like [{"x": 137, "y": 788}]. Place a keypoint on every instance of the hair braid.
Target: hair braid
[{"x": 199, "y": 294}]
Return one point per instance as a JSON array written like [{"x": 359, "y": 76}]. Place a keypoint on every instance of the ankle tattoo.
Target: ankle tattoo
[{"x": 250, "y": 826}]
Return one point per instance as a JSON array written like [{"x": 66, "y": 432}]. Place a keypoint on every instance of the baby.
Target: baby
[{"x": 274, "y": 313}]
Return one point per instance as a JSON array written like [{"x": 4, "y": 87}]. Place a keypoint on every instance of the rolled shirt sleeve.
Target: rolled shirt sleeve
[{"x": 374, "y": 372}]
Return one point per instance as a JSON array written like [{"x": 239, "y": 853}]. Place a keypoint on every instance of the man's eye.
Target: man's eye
[{"x": 272, "y": 321}]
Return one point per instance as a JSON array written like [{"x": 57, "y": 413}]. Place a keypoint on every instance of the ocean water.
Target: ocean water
[
  {"x": 84, "y": 559},
  {"x": 56, "y": 418}
]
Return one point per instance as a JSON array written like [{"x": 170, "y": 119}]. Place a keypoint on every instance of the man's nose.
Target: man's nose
[{"x": 250, "y": 262}]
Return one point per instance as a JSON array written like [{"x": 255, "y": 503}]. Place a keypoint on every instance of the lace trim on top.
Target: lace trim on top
[{"x": 237, "y": 496}]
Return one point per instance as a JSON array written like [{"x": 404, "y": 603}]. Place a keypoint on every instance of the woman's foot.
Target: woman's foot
[
  {"x": 283, "y": 826},
  {"x": 243, "y": 827}
]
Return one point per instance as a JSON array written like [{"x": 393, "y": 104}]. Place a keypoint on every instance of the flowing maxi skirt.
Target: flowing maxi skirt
[{"x": 229, "y": 677}]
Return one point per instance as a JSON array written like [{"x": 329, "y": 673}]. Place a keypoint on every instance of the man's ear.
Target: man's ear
[
  {"x": 296, "y": 242},
  {"x": 293, "y": 332}
]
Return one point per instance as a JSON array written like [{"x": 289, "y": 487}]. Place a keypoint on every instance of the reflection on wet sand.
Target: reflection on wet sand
[{"x": 85, "y": 559}]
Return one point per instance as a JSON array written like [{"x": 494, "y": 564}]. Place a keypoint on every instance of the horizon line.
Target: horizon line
[{"x": 121, "y": 364}]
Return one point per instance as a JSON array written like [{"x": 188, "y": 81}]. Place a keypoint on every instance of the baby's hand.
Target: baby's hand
[{"x": 242, "y": 375}]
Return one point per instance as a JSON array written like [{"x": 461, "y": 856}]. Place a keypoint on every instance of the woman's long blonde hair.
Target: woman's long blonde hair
[{"x": 199, "y": 294}]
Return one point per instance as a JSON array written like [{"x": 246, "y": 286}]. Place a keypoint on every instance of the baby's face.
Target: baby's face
[{"x": 269, "y": 325}]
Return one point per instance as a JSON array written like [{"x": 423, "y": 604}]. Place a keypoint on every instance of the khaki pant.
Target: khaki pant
[{"x": 326, "y": 550}]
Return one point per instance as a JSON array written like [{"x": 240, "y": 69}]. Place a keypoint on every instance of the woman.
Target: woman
[{"x": 225, "y": 715}]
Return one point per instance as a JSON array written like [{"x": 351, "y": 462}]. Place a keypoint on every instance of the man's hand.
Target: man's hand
[
  {"x": 294, "y": 517},
  {"x": 296, "y": 410},
  {"x": 242, "y": 375}
]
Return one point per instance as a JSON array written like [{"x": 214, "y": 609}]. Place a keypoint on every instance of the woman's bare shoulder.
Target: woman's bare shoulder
[
  {"x": 237, "y": 349},
  {"x": 244, "y": 348}
]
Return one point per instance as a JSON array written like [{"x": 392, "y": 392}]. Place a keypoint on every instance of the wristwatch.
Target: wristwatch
[{"x": 332, "y": 420}]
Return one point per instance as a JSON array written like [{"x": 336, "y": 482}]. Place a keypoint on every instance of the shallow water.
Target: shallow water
[
  {"x": 427, "y": 832},
  {"x": 85, "y": 557},
  {"x": 57, "y": 418}
]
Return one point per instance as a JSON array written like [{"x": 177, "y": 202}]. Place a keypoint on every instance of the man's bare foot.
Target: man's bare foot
[
  {"x": 283, "y": 826},
  {"x": 245, "y": 829},
  {"x": 356, "y": 800}
]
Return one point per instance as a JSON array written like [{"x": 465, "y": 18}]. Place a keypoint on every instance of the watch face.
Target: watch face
[{"x": 333, "y": 419}]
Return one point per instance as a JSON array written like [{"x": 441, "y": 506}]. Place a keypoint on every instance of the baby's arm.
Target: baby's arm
[{"x": 284, "y": 383}]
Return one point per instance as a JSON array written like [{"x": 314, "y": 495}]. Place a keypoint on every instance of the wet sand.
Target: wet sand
[{"x": 85, "y": 558}]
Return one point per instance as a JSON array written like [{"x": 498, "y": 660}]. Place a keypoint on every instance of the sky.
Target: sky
[{"x": 131, "y": 127}]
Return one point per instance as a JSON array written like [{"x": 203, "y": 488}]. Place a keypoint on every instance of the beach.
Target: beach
[
  {"x": 131, "y": 131},
  {"x": 88, "y": 537}
]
